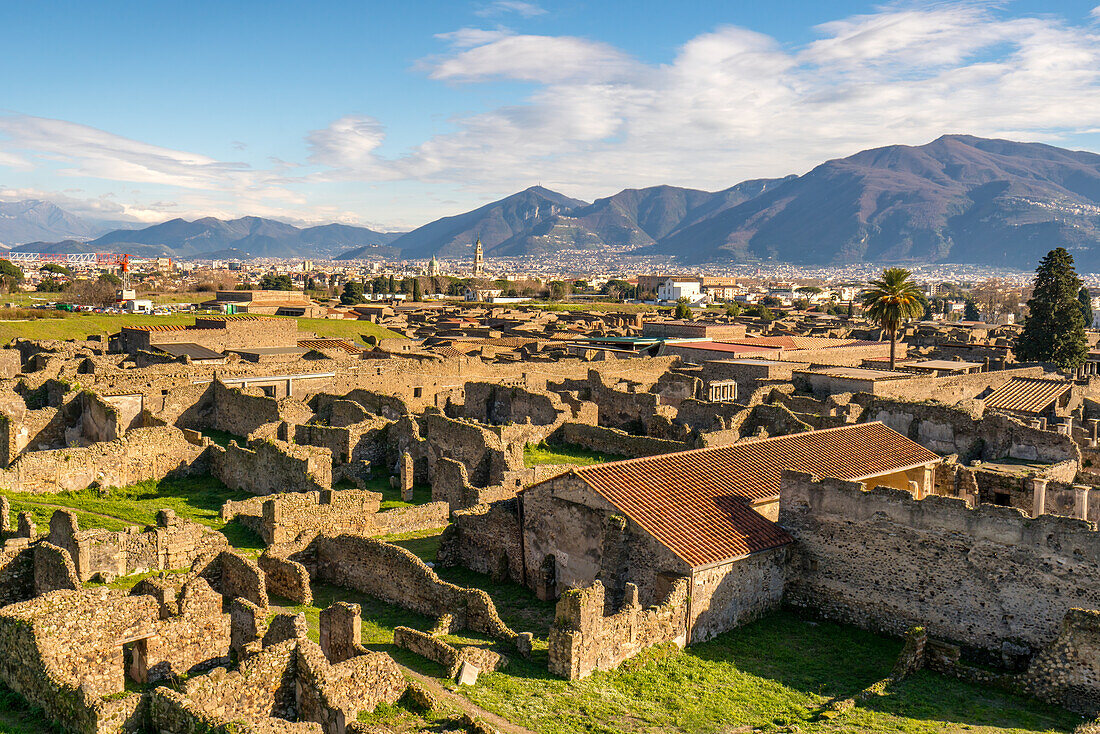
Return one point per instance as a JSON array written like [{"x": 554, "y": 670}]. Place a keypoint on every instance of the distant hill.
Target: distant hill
[
  {"x": 631, "y": 218},
  {"x": 957, "y": 199},
  {"x": 31, "y": 220},
  {"x": 252, "y": 236},
  {"x": 495, "y": 223}
]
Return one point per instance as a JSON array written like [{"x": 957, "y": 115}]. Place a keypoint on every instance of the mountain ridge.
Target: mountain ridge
[{"x": 959, "y": 198}]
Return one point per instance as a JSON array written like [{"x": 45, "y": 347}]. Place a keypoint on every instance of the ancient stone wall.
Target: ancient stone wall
[
  {"x": 956, "y": 430},
  {"x": 63, "y": 651},
  {"x": 1067, "y": 672},
  {"x": 233, "y": 576},
  {"x": 240, "y": 413},
  {"x": 364, "y": 441},
  {"x": 489, "y": 402},
  {"x": 282, "y": 518},
  {"x": 449, "y": 656},
  {"x": 614, "y": 441},
  {"x": 485, "y": 538},
  {"x": 733, "y": 594},
  {"x": 143, "y": 453},
  {"x": 270, "y": 465},
  {"x": 288, "y": 687},
  {"x": 582, "y": 639},
  {"x": 387, "y": 572},
  {"x": 983, "y": 578},
  {"x": 174, "y": 543}
]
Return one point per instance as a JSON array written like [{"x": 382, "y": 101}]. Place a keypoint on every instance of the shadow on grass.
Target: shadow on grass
[
  {"x": 517, "y": 605},
  {"x": 930, "y": 696},
  {"x": 832, "y": 660}
]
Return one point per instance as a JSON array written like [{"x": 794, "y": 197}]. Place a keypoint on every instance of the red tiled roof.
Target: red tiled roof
[
  {"x": 799, "y": 342},
  {"x": 725, "y": 347},
  {"x": 696, "y": 503},
  {"x": 157, "y": 327}
]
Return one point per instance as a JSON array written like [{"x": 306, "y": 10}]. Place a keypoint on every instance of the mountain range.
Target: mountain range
[
  {"x": 958, "y": 199},
  {"x": 242, "y": 238}
]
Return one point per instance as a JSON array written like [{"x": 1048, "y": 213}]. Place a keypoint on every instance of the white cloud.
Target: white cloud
[
  {"x": 519, "y": 7},
  {"x": 731, "y": 104},
  {"x": 544, "y": 59},
  {"x": 735, "y": 104},
  {"x": 467, "y": 37}
]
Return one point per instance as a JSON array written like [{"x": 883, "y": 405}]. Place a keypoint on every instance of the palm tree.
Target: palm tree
[{"x": 890, "y": 300}]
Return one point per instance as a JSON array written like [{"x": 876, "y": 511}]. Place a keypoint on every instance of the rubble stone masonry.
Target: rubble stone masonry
[
  {"x": 582, "y": 639},
  {"x": 982, "y": 578}
]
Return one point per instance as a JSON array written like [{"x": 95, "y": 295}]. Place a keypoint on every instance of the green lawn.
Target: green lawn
[
  {"x": 547, "y": 453},
  {"x": 773, "y": 675},
  {"x": 116, "y": 508},
  {"x": 82, "y": 325}
]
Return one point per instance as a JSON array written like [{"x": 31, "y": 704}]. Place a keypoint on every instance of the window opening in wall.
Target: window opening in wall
[
  {"x": 418, "y": 392},
  {"x": 1002, "y": 498},
  {"x": 269, "y": 390}
]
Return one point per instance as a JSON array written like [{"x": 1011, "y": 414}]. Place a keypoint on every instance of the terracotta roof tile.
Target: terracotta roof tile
[
  {"x": 1026, "y": 394},
  {"x": 330, "y": 344},
  {"x": 697, "y": 502}
]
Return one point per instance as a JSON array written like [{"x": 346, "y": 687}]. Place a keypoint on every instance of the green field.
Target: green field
[
  {"x": 557, "y": 453},
  {"x": 82, "y": 325}
]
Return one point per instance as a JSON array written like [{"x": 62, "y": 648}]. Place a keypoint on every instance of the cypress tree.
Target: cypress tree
[
  {"x": 1086, "y": 305},
  {"x": 1054, "y": 330}
]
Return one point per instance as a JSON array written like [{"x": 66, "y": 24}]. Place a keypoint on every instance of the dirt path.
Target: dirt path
[{"x": 464, "y": 704}]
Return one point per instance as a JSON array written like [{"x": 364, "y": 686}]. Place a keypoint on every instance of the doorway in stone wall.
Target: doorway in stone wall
[{"x": 135, "y": 660}]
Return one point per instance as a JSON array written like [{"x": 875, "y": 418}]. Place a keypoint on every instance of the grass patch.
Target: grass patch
[
  {"x": 196, "y": 498},
  {"x": 773, "y": 674},
  {"x": 82, "y": 325},
  {"x": 556, "y": 453},
  {"x": 424, "y": 544},
  {"x": 391, "y": 496},
  {"x": 379, "y": 621}
]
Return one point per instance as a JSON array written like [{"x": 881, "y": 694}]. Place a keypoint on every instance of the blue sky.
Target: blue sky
[{"x": 392, "y": 114}]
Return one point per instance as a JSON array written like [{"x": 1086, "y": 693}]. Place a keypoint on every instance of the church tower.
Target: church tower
[
  {"x": 433, "y": 268},
  {"x": 479, "y": 260}
]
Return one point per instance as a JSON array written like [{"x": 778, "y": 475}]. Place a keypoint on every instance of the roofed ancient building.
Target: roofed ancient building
[{"x": 703, "y": 514}]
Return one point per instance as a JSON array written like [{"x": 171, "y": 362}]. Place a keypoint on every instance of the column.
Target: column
[
  {"x": 1093, "y": 440},
  {"x": 1081, "y": 501},
  {"x": 1038, "y": 496}
]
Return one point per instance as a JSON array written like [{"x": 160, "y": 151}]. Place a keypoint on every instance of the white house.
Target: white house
[{"x": 672, "y": 291}]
